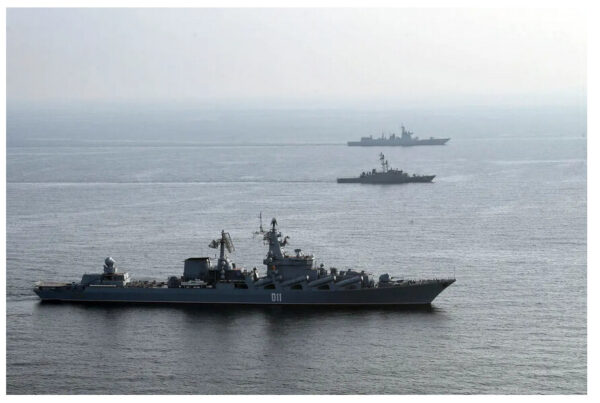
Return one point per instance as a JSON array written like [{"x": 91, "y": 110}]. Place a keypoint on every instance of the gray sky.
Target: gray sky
[{"x": 302, "y": 56}]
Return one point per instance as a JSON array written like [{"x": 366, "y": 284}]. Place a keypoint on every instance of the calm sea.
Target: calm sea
[{"x": 506, "y": 215}]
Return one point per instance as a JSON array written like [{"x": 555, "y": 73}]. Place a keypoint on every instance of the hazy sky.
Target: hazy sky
[{"x": 303, "y": 56}]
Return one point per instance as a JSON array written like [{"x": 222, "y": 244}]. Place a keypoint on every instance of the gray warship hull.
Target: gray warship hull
[
  {"x": 421, "y": 292},
  {"x": 397, "y": 142},
  {"x": 385, "y": 179},
  {"x": 386, "y": 176},
  {"x": 289, "y": 280}
]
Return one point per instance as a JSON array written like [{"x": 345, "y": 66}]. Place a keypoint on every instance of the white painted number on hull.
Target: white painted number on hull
[{"x": 275, "y": 297}]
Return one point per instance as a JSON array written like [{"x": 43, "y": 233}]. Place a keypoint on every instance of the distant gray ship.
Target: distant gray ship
[
  {"x": 291, "y": 279},
  {"x": 387, "y": 176},
  {"x": 405, "y": 140}
]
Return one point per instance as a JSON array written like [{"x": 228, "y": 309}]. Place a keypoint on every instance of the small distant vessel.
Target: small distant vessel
[
  {"x": 387, "y": 176},
  {"x": 405, "y": 140}
]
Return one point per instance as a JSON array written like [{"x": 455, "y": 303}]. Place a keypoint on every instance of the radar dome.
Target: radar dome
[{"x": 109, "y": 265}]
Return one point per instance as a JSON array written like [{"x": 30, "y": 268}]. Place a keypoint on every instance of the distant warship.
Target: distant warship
[
  {"x": 290, "y": 279},
  {"x": 405, "y": 140},
  {"x": 386, "y": 176}
]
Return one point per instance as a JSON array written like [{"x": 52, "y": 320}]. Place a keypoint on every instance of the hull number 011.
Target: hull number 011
[{"x": 275, "y": 297}]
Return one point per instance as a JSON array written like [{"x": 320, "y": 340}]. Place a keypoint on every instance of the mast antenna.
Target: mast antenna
[
  {"x": 225, "y": 241},
  {"x": 384, "y": 163},
  {"x": 261, "y": 230}
]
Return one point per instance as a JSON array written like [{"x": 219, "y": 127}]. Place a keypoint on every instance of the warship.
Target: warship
[
  {"x": 405, "y": 140},
  {"x": 290, "y": 279},
  {"x": 387, "y": 176}
]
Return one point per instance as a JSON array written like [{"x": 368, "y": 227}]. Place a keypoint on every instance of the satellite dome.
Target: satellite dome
[{"x": 109, "y": 266}]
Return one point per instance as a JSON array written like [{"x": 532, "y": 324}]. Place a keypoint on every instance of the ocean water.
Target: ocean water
[{"x": 506, "y": 215}]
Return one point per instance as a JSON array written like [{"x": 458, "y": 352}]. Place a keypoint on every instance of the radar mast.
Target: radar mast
[
  {"x": 384, "y": 163},
  {"x": 223, "y": 243},
  {"x": 261, "y": 229}
]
